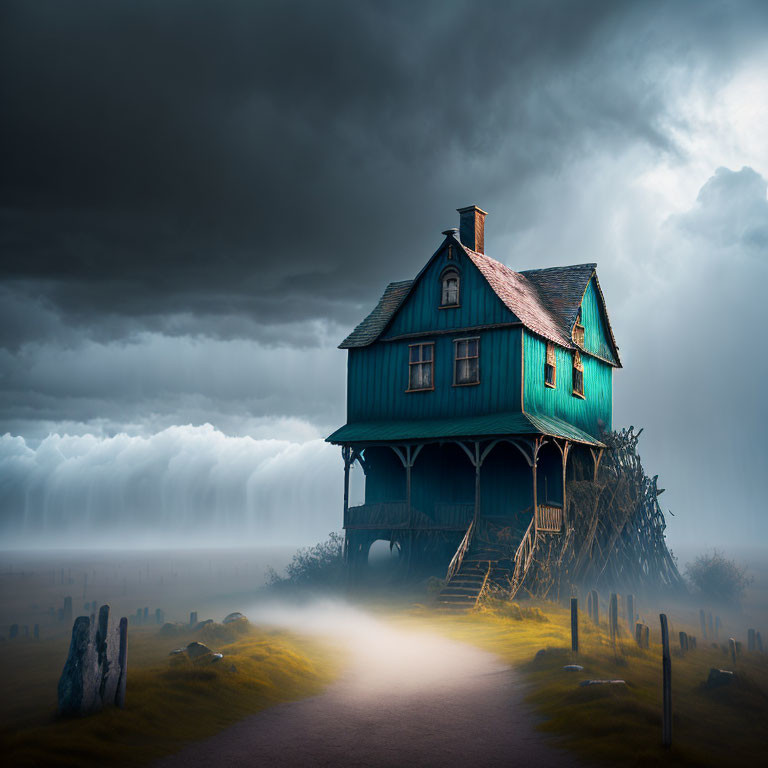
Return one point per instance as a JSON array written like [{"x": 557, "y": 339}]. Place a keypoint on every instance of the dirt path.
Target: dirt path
[{"x": 406, "y": 699}]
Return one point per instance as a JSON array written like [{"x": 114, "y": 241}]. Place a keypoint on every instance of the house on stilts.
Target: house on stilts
[{"x": 468, "y": 390}]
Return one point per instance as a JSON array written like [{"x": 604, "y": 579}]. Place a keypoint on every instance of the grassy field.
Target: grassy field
[
  {"x": 170, "y": 700},
  {"x": 622, "y": 724}
]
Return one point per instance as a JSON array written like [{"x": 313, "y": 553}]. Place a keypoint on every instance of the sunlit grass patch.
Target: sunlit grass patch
[
  {"x": 171, "y": 700},
  {"x": 621, "y": 724}
]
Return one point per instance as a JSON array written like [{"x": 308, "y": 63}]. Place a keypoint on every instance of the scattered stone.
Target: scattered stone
[
  {"x": 540, "y": 654},
  {"x": 233, "y": 617},
  {"x": 573, "y": 668},
  {"x": 176, "y": 651},
  {"x": 719, "y": 677},
  {"x": 201, "y": 624},
  {"x": 195, "y": 650},
  {"x": 217, "y": 657},
  {"x": 232, "y": 668},
  {"x": 602, "y": 682}
]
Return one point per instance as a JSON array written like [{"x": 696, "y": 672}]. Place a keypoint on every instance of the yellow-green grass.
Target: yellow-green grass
[
  {"x": 622, "y": 724},
  {"x": 170, "y": 700}
]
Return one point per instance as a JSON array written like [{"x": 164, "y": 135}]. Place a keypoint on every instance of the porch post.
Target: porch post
[
  {"x": 565, "y": 452},
  {"x": 534, "y": 465},
  {"x": 596, "y": 458},
  {"x": 477, "y": 462},
  {"x": 346, "y": 453}
]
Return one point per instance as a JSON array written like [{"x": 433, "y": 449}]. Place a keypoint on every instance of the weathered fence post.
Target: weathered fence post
[
  {"x": 732, "y": 646},
  {"x": 630, "y": 611},
  {"x": 683, "y": 642},
  {"x": 751, "y": 644},
  {"x": 703, "y": 622},
  {"x": 613, "y": 616},
  {"x": 574, "y": 624},
  {"x": 666, "y": 672},
  {"x": 122, "y": 664},
  {"x": 692, "y": 641},
  {"x": 639, "y": 634},
  {"x": 589, "y": 606},
  {"x": 193, "y": 618},
  {"x": 646, "y": 636}
]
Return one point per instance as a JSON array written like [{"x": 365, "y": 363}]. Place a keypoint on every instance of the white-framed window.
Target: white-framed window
[
  {"x": 450, "y": 284},
  {"x": 466, "y": 362},
  {"x": 550, "y": 367},
  {"x": 421, "y": 367},
  {"x": 578, "y": 375}
]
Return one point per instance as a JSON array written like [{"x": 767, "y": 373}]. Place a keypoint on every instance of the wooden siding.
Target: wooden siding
[
  {"x": 596, "y": 339},
  {"x": 587, "y": 413},
  {"x": 479, "y": 305},
  {"x": 377, "y": 377}
]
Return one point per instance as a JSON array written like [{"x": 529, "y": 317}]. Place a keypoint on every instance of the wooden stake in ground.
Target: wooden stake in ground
[
  {"x": 732, "y": 646},
  {"x": 575, "y": 624},
  {"x": 666, "y": 673},
  {"x": 613, "y": 616}
]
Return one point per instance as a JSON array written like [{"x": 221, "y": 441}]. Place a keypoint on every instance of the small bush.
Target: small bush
[
  {"x": 717, "y": 578},
  {"x": 319, "y": 566}
]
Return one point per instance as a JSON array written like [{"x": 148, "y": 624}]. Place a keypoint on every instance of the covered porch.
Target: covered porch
[{"x": 420, "y": 479}]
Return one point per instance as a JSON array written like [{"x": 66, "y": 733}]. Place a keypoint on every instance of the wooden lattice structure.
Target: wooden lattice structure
[{"x": 616, "y": 532}]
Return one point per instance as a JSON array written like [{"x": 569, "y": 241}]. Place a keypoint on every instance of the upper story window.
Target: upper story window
[
  {"x": 421, "y": 367},
  {"x": 466, "y": 366},
  {"x": 578, "y": 375},
  {"x": 578, "y": 330},
  {"x": 550, "y": 367},
  {"x": 449, "y": 295}
]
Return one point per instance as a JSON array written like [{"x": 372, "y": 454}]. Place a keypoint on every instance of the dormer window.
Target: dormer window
[
  {"x": 578, "y": 375},
  {"x": 449, "y": 296},
  {"x": 550, "y": 367}
]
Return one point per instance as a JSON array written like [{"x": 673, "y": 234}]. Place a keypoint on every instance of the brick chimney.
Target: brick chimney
[{"x": 472, "y": 227}]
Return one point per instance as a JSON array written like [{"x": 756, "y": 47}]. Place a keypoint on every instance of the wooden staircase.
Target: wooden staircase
[{"x": 478, "y": 565}]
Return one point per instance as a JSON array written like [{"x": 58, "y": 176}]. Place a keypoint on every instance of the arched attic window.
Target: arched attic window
[{"x": 449, "y": 287}]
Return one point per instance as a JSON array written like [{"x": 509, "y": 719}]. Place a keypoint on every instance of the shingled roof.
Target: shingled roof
[
  {"x": 546, "y": 301},
  {"x": 370, "y": 329}
]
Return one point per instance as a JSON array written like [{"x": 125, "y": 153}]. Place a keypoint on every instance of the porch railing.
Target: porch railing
[
  {"x": 549, "y": 519},
  {"x": 395, "y": 514},
  {"x": 523, "y": 559},
  {"x": 458, "y": 558}
]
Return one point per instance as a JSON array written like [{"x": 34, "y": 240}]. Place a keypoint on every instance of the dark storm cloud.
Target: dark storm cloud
[{"x": 281, "y": 161}]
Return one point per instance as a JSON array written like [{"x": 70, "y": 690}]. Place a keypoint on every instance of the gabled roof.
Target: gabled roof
[
  {"x": 562, "y": 289},
  {"x": 370, "y": 329},
  {"x": 546, "y": 301}
]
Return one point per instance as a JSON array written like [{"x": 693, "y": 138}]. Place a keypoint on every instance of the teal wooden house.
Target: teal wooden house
[{"x": 468, "y": 388}]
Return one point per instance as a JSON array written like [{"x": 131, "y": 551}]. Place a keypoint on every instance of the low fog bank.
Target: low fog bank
[{"x": 184, "y": 486}]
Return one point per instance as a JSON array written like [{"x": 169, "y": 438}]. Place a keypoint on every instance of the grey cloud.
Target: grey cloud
[{"x": 281, "y": 161}]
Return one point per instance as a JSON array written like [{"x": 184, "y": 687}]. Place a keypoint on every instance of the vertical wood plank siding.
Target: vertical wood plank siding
[
  {"x": 595, "y": 332},
  {"x": 377, "y": 377},
  {"x": 479, "y": 305},
  {"x": 587, "y": 414}
]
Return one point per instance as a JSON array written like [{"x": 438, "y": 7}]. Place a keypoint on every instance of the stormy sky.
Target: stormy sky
[{"x": 199, "y": 200}]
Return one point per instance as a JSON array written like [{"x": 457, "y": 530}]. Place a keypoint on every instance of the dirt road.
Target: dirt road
[{"x": 406, "y": 698}]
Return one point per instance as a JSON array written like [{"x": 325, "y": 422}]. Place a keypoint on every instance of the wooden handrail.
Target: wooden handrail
[
  {"x": 523, "y": 558},
  {"x": 458, "y": 558},
  {"x": 484, "y": 587}
]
